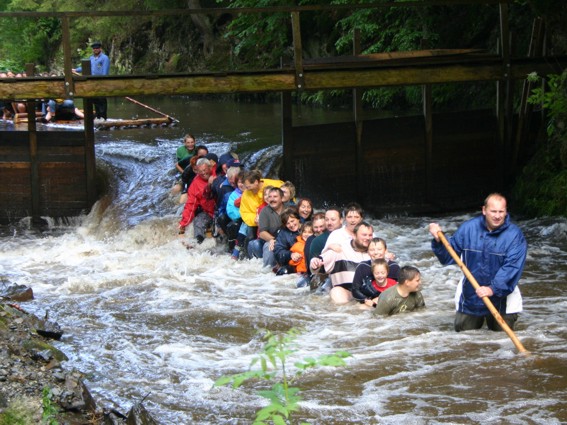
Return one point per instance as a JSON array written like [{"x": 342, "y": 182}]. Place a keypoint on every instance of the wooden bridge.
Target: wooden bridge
[{"x": 424, "y": 160}]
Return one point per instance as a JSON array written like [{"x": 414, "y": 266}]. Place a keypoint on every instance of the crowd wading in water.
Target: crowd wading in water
[{"x": 336, "y": 250}]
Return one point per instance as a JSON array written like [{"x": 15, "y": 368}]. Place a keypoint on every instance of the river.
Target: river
[{"x": 145, "y": 317}]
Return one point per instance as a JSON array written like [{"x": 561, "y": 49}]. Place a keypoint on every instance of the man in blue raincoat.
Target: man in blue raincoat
[{"x": 494, "y": 250}]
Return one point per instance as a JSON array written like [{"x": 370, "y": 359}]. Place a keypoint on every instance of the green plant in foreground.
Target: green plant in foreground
[
  {"x": 49, "y": 409},
  {"x": 284, "y": 399}
]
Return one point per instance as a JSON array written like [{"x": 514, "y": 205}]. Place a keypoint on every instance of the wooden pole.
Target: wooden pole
[
  {"x": 486, "y": 300},
  {"x": 151, "y": 109},
  {"x": 358, "y": 125}
]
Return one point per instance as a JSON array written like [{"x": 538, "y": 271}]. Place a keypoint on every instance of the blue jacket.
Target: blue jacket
[
  {"x": 100, "y": 65},
  {"x": 284, "y": 241},
  {"x": 495, "y": 259},
  {"x": 232, "y": 210}
]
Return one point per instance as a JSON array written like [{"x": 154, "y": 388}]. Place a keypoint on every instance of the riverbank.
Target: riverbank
[
  {"x": 35, "y": 387},
  {"x": 31, "y": 367}
]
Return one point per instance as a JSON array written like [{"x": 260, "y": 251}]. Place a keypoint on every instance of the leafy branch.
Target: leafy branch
[
  {"x": 552, "y": 98},
  {"x": 273, "y": 366}
]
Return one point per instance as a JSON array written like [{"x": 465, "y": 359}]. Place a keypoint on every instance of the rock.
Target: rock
[
  {"x": 49, "y": 330},
  {"x": 17, "y": 292},
  {"x": 138, "y": 415},
  {"x": 35, "y": 346}
]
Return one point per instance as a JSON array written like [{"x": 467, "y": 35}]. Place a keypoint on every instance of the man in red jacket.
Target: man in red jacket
[{"x": 199, "y": 195}]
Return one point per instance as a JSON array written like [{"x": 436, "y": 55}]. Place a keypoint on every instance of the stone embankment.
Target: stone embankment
[{"x": 33, "y": 379}]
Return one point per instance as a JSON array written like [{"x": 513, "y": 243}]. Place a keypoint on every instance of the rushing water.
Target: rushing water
[{"x": 146, "y": 317}]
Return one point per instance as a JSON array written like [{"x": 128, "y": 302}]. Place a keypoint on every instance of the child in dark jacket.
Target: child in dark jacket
[{"x": 285, "y": 239}]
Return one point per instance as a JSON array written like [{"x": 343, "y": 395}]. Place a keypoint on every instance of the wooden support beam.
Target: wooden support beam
[
  {"x": 526, "y": 109},
  {"x": 90, "y": 158},
  {"x": 358, "y": 125},
  {"x": 34, "y": 164},
  {"x": 428, "y": 120},
  {"x": 297, "y": 50},
  {"x": 278, "y": 80},
  {"x": 67, "y": 65},
  {"x": 287, "y": 136},
  {"x": 506, "y": 81}
]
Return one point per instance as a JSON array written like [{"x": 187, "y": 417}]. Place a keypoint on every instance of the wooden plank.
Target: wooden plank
[{"x": 279, "y": 80}]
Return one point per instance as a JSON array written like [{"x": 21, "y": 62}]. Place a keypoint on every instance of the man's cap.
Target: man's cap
[
  {"x": 96, "y": 45},
  {"x": 224, "y": 158},
  {"x": 213, "y": 157},
  {"x": 233, "y": 163}
]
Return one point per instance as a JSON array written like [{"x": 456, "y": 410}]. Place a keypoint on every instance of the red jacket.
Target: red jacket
[{"x": 198, "y": 195}]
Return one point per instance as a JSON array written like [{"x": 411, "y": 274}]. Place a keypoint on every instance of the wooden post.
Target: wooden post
[
  {"x": 287, "y": 137},
  {"x": 34, "y": 162},
  {"x": 525, "y": 111},
  {"x": 358, "y": 124},
  {"x": 297, "y": 51},
  {"x": 428, "y": 120},
  {"x": 69, "y": 83},
  {"x": 90, "y": 159},
  {"x": 507, "y": 80},
  {"x": 500, "y": 106}
]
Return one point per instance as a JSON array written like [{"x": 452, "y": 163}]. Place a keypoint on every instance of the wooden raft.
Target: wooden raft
[{"x": 110, "y": 124}]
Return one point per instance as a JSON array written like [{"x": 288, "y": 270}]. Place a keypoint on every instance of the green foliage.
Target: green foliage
[
  {"x": 50, "y": 411},
  {"x": 541, "y": 188},
  {"x": 553, "y": 98},
  {"x": 259, "y": 40},
  {"x": 273, "y": 361},
  {"x": 28, "y": 41}
]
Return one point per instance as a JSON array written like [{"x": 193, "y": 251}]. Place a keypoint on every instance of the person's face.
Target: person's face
[
  {"x": 414, "y": 285},
  {"x": 376, "y": 250},
  {"x": 494, "y": 213},
  {"x": 252, "y": 186},
  {"x": 204, "y": 171},
  {"x": 306, "y": 233},
  {"x": 352, "y": 219},
  {"x": 380, "y": 274},
  {"x": 241, "y": 185},
  {"x": 275, "y": 199},
  {"x": 318, "y": 226},
  {"x": 202, "y": 152},
  {"x": 286, "y": 194},
  {"x": 266, "y": 195},
  {"x": 333, "y": 220},
  {"x": 305, "y": 209},
  {"x": 189, "y": 143},
  {"x": 363, "y": 237},
  {"x": 232, "y": 180},
  {"x": 292, "y": 224},
  {"x": 96, "y": 51}
]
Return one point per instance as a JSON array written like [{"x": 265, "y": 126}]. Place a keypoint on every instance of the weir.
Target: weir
[{"x": 423, "y": 163}]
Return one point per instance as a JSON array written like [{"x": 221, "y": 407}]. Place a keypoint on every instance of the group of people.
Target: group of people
[
  {"x": 10, "y": 108},
  {"x": 336, "y": 249},
  {"x": 64, "y": 109}
]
